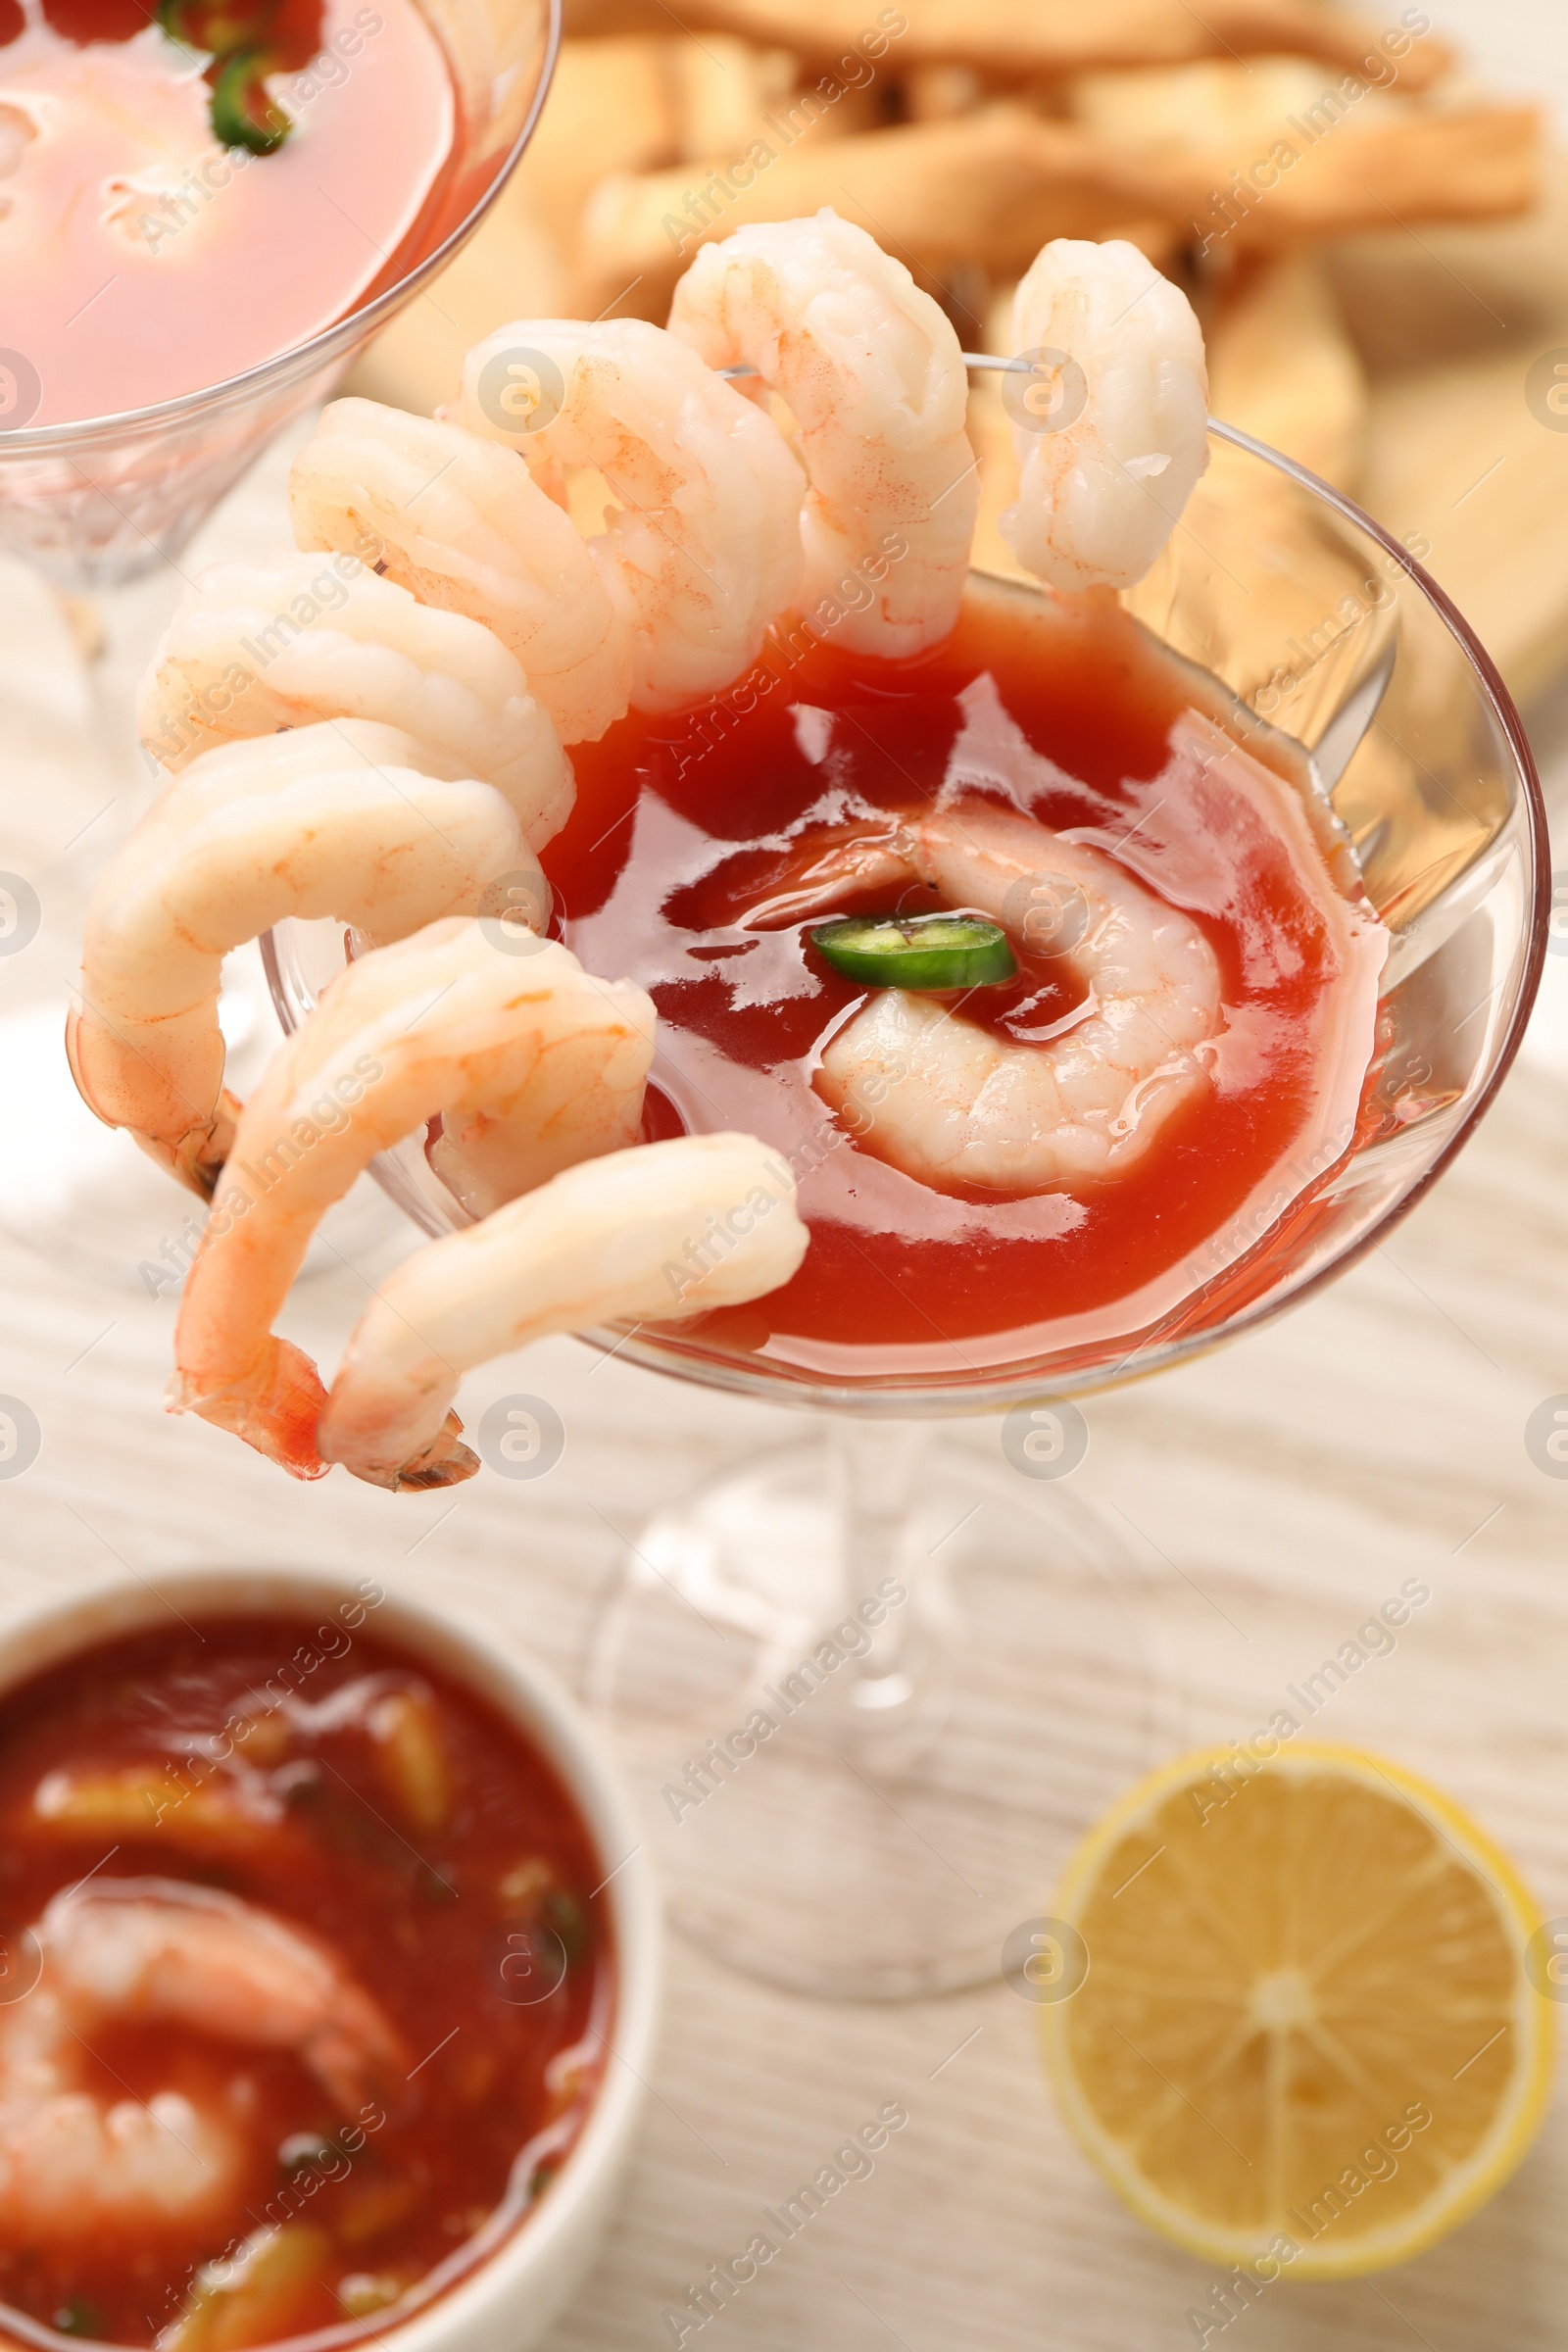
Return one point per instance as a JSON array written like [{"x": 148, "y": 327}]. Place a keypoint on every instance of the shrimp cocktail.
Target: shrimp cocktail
[
  {"x": 748, "y": 936},
  {"x": 1030, "y": 972},
  {"x": 305, "y": 2001}
]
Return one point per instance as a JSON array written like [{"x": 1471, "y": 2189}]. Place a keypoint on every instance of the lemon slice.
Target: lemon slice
[{"x": 1306, "y": 2043}]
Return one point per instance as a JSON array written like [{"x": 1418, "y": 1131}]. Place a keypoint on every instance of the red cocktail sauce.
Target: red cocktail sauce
[
  {"x": 431, "y": 1853},
  {"x": 1074, "y": 714}
]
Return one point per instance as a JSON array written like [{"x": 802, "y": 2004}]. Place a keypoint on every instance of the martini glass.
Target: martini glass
[
  {"x": 945, "y": 1649},
  {"x": 101, "y": 508},
  {"x": 106, "y": 500}
]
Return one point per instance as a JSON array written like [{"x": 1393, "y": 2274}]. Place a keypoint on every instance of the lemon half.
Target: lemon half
[{"x": 1305, "y": 2040}]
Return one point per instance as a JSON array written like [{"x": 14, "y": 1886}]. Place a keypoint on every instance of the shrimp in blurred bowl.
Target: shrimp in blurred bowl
[{"x": 159, "y": 1951}]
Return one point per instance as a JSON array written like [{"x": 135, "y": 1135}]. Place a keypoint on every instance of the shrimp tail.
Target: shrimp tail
[
  {"x": 444, "y": 1462},
  {"x": 197, "y": 1160},
  {"x": 275, "y": 1407}
]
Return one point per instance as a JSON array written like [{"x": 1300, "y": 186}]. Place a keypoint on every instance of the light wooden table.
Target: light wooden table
[{"x": 1289, "y": 1484}]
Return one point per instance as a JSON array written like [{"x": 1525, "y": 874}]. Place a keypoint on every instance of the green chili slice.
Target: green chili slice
[
  {"x": 926, "y": 951},
  {"x": 243, "y": 114}
]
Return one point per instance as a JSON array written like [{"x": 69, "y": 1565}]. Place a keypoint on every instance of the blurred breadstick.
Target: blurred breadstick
[
  {"x": 612, "y": 108},
  {"x": 989, "y": 187},
  {"x": 1018, "y": 40},
  {"x": 721, "y": 89},
  {"x": 1269, "y": 597},
  {"x": 1478, "y": 163},
  {"x": 936, "y": 93},
  {"x": 511, "y": 268},
  {"x": 993, "y": 186},
  {"x": 1222, "y": 102},
  {"x": 1281, "y": 366}
]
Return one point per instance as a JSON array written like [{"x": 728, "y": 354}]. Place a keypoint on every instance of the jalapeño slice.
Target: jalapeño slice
[
  {"x": 924, "y": 951},
  {"x": 242, "y": 113}
]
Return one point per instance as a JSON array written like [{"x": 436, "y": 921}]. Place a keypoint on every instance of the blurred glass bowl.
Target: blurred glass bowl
[{"x": 102, "y": 501}]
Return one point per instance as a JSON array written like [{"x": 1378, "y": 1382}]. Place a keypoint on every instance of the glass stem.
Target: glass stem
[{"x": 889, "y": 1706}]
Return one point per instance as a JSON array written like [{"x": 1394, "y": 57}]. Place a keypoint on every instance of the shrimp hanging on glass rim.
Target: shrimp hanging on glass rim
[
  {"x": 343, "y": 819},
  {"x": 872, "y": 371}
]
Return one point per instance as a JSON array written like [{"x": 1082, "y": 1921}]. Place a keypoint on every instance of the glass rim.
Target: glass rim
[
  {"x": 327, "y": 343},
  {"x": 936, "y": 1402}
]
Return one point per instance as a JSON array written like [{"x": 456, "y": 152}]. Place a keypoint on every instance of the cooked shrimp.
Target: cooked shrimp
[
  {"x": 336, "y": 819},
  {"x": 873, "y": 374},
  {"x": 255, "y": 647},
  {"x": 661, "y": 1233},
  {"x": 706, "y": 548},
  {"x": 449, "y": 1021},
  {"x": 464, "y": 526},
  {"x": 165, "y": 1953},
  {"x": 1103, "y": 488},
  {"x": 958, "y": 1105}
]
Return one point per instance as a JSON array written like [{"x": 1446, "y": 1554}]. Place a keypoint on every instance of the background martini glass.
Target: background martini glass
[
  {"x": 112, "y": 498},
  {"x": 900, "y": 1830},
  {"x": 103, "y": 509}
]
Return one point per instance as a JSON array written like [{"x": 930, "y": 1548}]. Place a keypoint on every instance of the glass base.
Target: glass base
[{"x": 859, "y": 1777}]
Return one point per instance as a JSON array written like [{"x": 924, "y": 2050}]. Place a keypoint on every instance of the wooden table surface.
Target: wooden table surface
[{"x": 1289, "y": 1484}]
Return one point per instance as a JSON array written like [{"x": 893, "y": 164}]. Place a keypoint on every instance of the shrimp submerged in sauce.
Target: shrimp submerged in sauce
[
  {"x": 958, "y": 1105},
  {"x": 156, "y": 1951}
]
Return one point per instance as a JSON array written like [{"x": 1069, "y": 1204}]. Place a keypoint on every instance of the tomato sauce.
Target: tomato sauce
[
  {"x": 320, "y": 1773},
  {"x": 1072, "y": 714}
]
